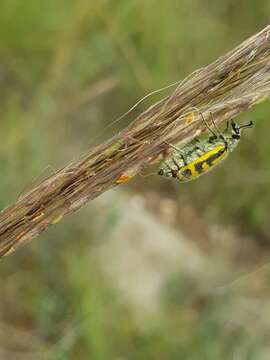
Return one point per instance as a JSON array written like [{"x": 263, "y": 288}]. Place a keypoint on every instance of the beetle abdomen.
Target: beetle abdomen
[{"x": 201, "y": 164}]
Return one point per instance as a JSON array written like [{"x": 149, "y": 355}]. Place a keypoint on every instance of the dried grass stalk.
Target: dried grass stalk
[{"x": 227, "y": 87}]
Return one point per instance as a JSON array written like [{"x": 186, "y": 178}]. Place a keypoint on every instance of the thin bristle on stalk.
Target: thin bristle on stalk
[{"x": 230, "y": 85}]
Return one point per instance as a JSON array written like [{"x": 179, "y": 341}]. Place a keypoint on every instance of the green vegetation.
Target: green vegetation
[{"x": 68, "y": 69}]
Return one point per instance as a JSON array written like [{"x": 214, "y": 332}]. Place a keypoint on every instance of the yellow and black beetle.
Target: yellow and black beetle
[{"x": 200, "y": 156}]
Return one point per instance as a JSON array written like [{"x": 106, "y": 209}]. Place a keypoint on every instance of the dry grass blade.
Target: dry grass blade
[{"x": 230, "y": 85}]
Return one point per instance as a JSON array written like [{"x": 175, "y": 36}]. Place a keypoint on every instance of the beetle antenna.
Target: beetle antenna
[
  {"x": 215, "y": 126},
  {"x": 217, "y": 129},
  {"x": 250, "y": 124},
  {"x": 235, "y": 127},
  {"x": 208, "y": 127}
]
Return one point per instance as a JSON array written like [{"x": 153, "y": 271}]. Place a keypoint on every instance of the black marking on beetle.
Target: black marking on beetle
[
  {"x": 215, "y": 156},
  {"x": 199, "y": 166},
  {"x": 161, "y": 172},
  {"x": 209, "y": 161},
  {"x": 186, "y": 173}
]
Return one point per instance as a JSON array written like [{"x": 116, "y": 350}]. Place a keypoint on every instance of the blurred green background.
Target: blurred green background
[{"x": 152, "y": 269}]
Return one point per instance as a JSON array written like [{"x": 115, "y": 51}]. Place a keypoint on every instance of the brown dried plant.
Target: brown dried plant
[{"x": 230, "y": 85}]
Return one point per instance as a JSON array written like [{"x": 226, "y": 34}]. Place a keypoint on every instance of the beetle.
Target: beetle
[{"x": 200, "y": 156}]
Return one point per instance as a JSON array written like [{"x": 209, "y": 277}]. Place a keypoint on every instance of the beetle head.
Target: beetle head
[{"x": 236, "y": 129}]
